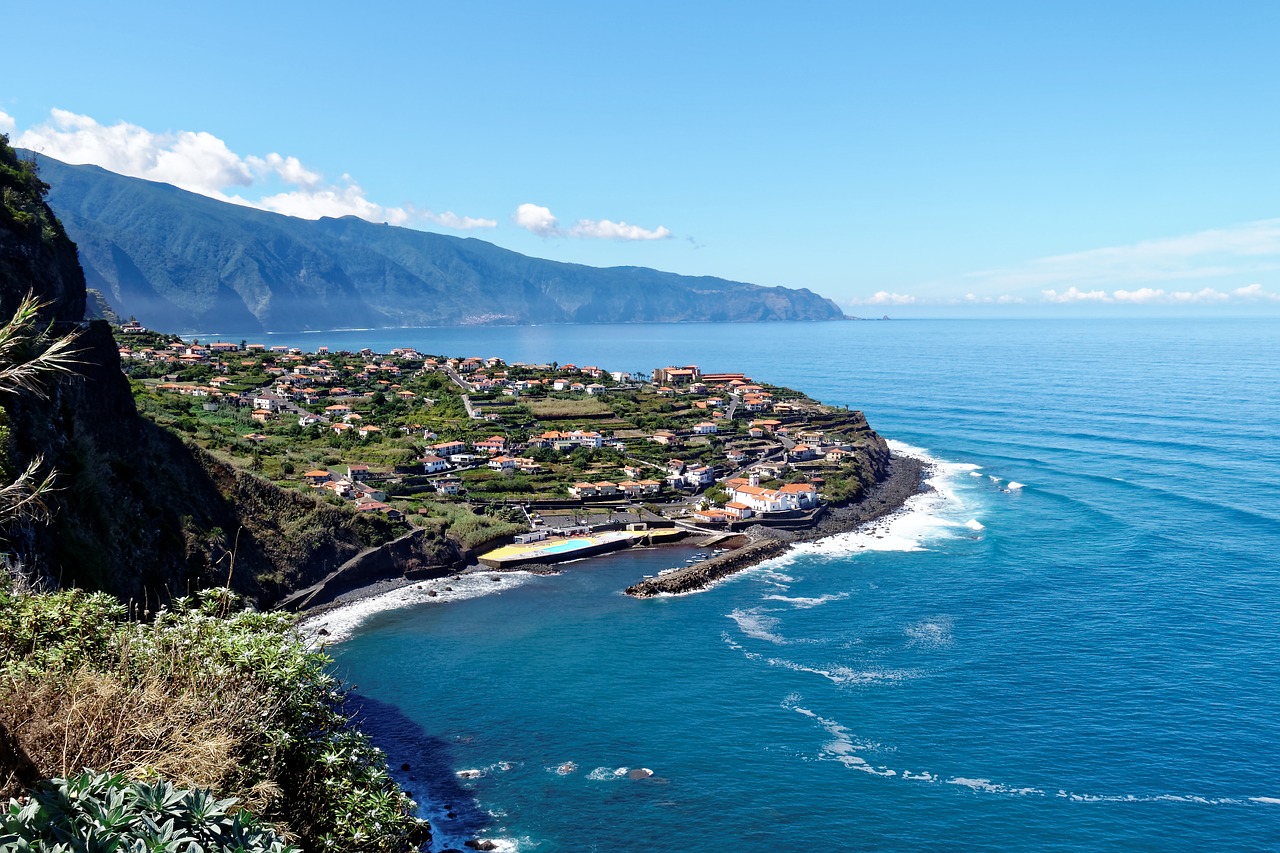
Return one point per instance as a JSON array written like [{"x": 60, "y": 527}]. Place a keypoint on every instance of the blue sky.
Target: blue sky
[{"x": 927, "y": 159}]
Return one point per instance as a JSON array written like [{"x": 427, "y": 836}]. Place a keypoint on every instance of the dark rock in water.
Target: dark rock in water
[
  {"x": 448, "y": 589},
  {"x": 640, "y": 773},
  {"x": 478, "y": 844},
  {"x": 323, "y": 632},
  {"x": 432, "y": 593},
  {"x": 404, "y": 766}
]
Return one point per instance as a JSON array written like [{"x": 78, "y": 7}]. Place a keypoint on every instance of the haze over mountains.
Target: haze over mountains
[{"x": 179, "y": 261}]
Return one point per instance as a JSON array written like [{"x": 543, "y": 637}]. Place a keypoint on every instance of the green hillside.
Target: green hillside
[{"x": 181, "y": 262}]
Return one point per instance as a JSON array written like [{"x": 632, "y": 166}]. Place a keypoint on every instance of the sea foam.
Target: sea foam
[
  {"x": 928, "y": 516},
  {"x": 342, "y": 622}
]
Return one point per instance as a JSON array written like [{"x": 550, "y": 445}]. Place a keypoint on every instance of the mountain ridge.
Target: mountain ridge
[{"x": 180, "y": 261}]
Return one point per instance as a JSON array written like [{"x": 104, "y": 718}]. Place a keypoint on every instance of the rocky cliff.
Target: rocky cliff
[{"x": 139, "y": 513}]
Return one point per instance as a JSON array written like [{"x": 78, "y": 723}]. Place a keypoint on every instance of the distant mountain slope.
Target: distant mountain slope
[{"x": 180, "y": 261}]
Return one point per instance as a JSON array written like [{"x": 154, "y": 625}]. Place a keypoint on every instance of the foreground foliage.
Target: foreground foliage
[
  {"x": 99, "y": 811},
  {"x": 205, "y": 696}
]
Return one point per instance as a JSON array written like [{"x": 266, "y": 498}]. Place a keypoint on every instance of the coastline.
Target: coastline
[
  {"x": 336, "y": 620},
  {"x": 907, "y": 478}
]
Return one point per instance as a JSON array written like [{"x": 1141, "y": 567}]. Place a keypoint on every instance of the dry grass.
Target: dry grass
[
  {"x": 557, "y": 408},
  {"x": 194, "y": 733}
]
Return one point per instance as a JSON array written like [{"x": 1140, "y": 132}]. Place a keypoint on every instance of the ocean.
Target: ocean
[{"x": 1071, "y": 644}]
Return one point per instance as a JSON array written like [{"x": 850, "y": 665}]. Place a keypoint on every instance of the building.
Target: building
[
  {"x": 676, "y": 377},
  {"x": 750, "y": 494}
]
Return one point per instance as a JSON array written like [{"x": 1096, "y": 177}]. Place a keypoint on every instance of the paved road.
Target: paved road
[
  {"x": 734, "y": 399},
  {"x": 466, "y": 390}
]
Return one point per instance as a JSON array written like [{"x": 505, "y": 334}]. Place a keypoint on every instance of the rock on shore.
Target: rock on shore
[{"x": 703, "y": 574}]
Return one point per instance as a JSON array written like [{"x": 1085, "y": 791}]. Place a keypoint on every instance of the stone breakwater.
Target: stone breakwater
[
  {"x": 906, "y": 478},
  {"x": 707, "y": 572}
]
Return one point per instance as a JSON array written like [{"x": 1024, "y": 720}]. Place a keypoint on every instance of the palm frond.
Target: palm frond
[{"x": 28, "y": 357}]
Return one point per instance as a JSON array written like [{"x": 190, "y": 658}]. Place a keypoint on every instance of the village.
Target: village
[{"x": 514, "y": 449}]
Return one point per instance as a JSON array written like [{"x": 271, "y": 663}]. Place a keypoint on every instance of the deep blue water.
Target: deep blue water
[{"x": 1088, "y": 662}]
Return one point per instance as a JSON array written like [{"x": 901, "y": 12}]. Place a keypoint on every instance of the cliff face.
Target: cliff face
[
  {"x": 35, "y": 253},
  {"x": 138, "y": 513},
  {"x": 180, "y": 261}
]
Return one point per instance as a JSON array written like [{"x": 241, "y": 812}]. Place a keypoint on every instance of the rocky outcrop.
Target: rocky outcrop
[
  {"x": 418, "y": 554},
  {"x": 702, "y": 575}
]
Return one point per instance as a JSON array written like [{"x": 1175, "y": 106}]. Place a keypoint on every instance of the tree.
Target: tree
[{"x": 29, "y": 356}]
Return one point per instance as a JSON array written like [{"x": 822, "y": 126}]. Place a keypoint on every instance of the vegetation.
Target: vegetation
[
  {"x": 29, "y": 355},
  {"x": 230, "y": 263},
  {"x": 207, "y": 696},
  {"x": 183, "y": 715},
  {"x": 98, "y": 811}
]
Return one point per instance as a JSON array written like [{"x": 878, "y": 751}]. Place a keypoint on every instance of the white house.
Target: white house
[
  {"x": 793, "y": 496},
  {"x": 433, "y": 464}
]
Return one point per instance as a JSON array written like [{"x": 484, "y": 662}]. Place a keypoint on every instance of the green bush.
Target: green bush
[
  {"x": 101, "y": 811},
  {"x": 207, "y": 695}
]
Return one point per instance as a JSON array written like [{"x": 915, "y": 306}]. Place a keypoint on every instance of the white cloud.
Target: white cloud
[
  {"x": 1145, "y": 294},
  {"x": 537, "y": 219},
  {"x": 541, "y": 221},
  {"x": 604, "y": 229},
  {"x": 449, "y": 219},
  {"x": 1004, "y": 299},
  {"x": 1074, "y": 295},
  {"x": 202, "y": 163},
  {"x": 1255, "y": 292},
  {"x": 884, "y": 297},
  {"x": 7, "y": 124},
  {"x": 289, "y": 169},
  {"x": 1241, "y": 249},
  {"x": 1156, "y": 295}
]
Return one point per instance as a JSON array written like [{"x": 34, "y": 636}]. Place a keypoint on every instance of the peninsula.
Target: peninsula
[{"x": 511, "y": 465}]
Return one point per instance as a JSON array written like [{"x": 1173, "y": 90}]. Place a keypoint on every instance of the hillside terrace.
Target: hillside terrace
[{"x": 679, "y": 439}]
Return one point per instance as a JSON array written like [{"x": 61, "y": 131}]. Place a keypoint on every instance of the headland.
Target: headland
[{"x": 483, "y": 464}]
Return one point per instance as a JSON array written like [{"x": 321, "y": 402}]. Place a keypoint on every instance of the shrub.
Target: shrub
[
  {"x": 205, "y": 695},
  {"x": 100, "y": 811}
]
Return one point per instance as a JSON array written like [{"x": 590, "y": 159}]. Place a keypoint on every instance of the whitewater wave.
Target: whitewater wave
[
  {"x": 936, "y": 514},
  {"x": 341, "y": 623},
  {"x": 932, "y": 633},
  {"x": 986, "y": 786},
  {"x": 844, "y": 675},
  {"x": 851, "y": 751},
  {"x": 758, "y": 625},
  {"x": 607, "y": 774},
  {"x": 843, "y": 747},
  {"x": 801, "y": 603}
]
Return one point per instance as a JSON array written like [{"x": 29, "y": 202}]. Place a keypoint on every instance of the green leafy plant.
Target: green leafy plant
[
  {"x": 207, "y": 695},
  {"x": 107, "y": 812}
]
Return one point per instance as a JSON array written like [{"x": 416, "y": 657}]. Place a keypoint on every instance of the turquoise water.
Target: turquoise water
[
  {"x": 1072, "y": 645},
  {"x": 566, "y": 545}
]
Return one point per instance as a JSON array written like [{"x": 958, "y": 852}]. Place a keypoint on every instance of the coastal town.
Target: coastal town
[{"x": 515, "y": 459}]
